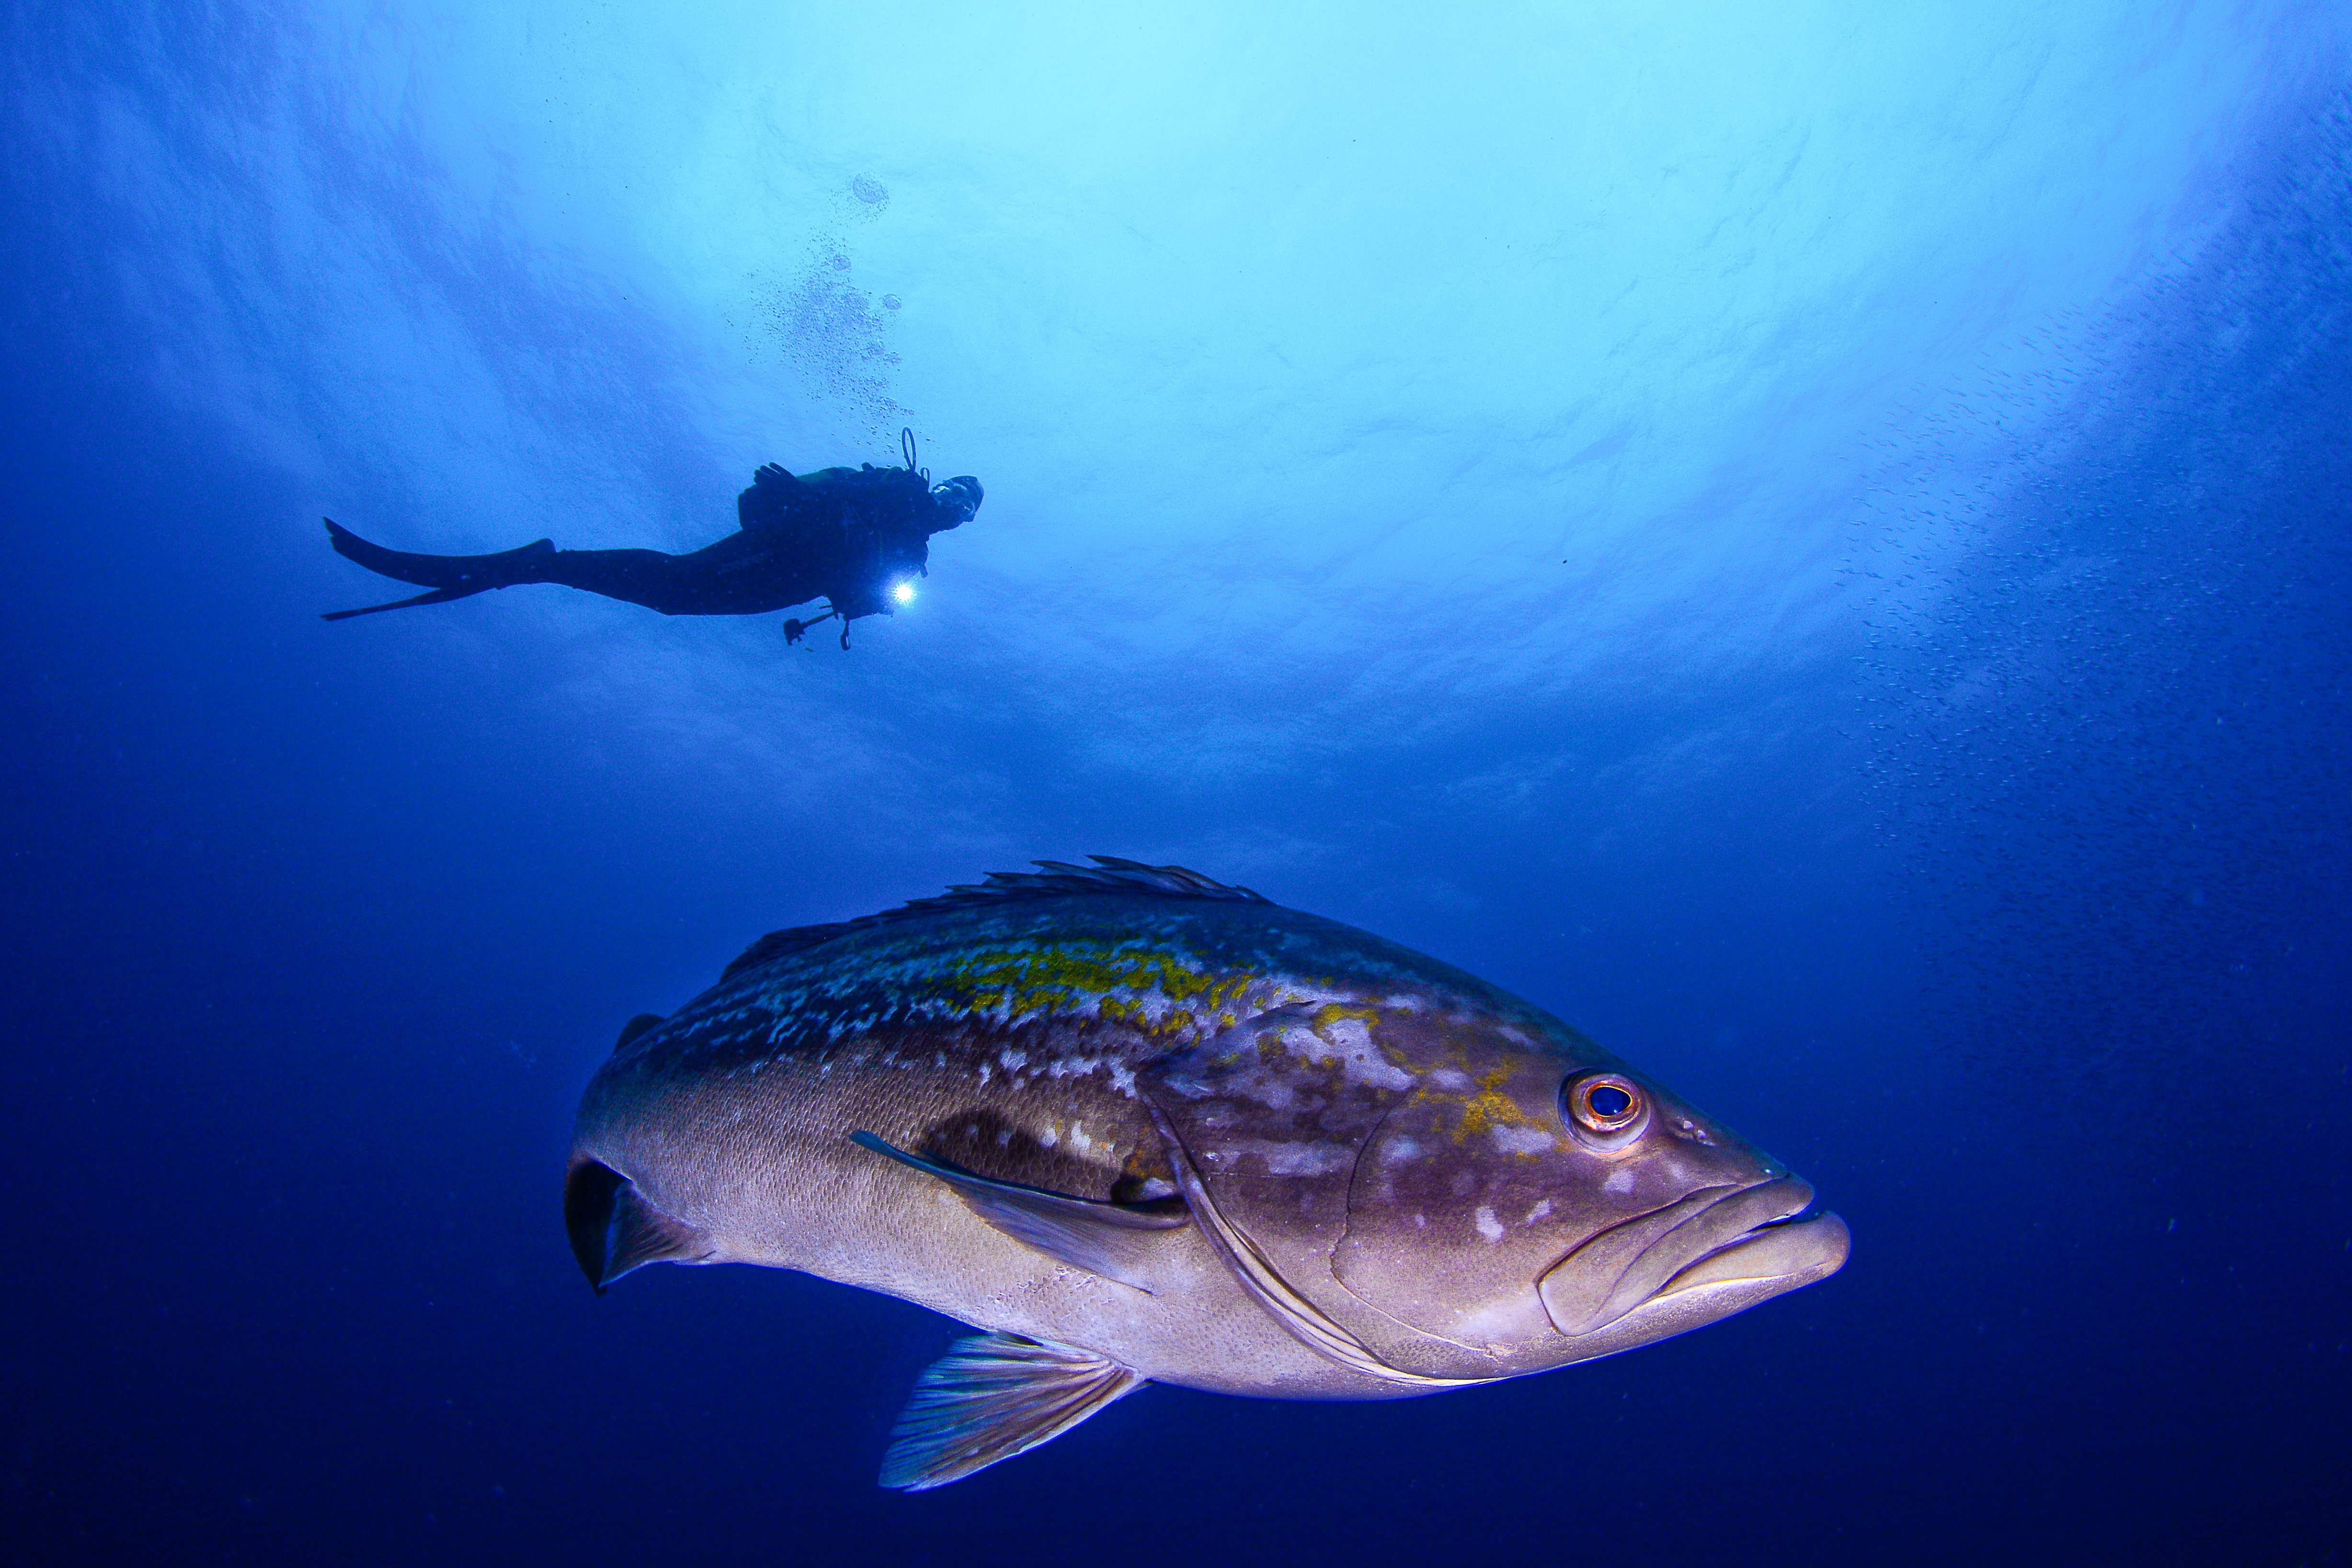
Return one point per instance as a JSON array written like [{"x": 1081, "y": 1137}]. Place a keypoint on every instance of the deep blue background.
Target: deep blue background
[{"x": 1968, "y": 820}]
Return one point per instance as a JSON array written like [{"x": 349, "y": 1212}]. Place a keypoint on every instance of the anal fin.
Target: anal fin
[
  {"x": 993, "y": 1396},
  {"x": 1112, "y": 1240}
]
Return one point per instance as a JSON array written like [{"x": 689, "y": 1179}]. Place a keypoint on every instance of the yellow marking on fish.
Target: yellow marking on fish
[
  {"x": 1490, "y": 1107},
  {"x": 1275, "y": 1044},
  {"x": 1118, "y": 983}
]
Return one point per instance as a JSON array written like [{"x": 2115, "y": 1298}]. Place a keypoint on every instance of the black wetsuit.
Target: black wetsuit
[{"x": 849, "y": 535}]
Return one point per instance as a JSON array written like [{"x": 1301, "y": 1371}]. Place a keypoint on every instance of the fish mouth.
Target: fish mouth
[{"x": 1746, "y": 1243}]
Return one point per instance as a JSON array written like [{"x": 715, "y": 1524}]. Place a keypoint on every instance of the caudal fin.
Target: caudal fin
[{"x": 614, "y": 1229}]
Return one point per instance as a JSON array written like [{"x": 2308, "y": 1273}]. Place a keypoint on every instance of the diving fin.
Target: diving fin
[
  {"x": 437, "y": 596},
  {"x": 449, "y": 576},
  {"x": 1112, "y": 1240},
  {"x": 993, "y": 1396}
]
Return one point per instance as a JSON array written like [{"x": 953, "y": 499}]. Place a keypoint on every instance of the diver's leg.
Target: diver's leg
[{"x": 647, "y": 578}]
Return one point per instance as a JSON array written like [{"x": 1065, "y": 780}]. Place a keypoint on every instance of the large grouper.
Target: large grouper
[{"x": 1141, "y": 1126}]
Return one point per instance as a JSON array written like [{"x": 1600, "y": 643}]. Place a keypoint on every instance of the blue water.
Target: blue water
[{"x": 1814, "y": 543}]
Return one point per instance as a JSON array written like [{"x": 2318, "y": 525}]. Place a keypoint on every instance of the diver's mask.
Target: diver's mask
[{"x": 956, "y": 499}]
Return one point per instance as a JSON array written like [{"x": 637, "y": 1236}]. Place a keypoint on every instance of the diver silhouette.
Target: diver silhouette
[{"x": 856, "y": 537}]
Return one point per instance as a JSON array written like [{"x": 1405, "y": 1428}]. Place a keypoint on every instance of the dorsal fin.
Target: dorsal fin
[
  {"x": 777, "y": 944},
  {"x": 1108, "y": 874},
  {"x": 635, "y": 1026}
]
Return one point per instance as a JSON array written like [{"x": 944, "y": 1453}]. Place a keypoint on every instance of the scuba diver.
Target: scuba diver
[{"x": 856, "y": 537}]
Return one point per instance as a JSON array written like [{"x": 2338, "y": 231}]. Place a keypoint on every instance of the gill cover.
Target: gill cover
[
  {"x": 1395, "y": 1181},
  {"x": 1361, "y": 1158},
  {"x": 1471, "y": 1189}
]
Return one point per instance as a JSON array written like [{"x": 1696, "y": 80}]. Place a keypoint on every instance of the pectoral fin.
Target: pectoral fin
[
  {"x": 991, "y": 1397},
  {"x": 1114, "y": 1240}
]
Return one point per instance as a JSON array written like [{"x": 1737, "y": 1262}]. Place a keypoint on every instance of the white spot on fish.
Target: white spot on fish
[
  {"x": 1541, "y": 1211},
  {"x": 1304, "y": 1159},
  {"x": 1049, "y": 1137},
  {"x": 1446, "y": 1077},
  {"x": 1078, "y": 1139},
  {"x": 983, "y": 1072},
  {"x": 1397, "y": 1151},
  {"x": 1619, "y": 1181},
  {"x": 1520, "y": 1140},
  {"x": 1421, "y": 1221},
  {"x": 1350, "y": 1043},
  {"x": 1488, "y": 1225}
]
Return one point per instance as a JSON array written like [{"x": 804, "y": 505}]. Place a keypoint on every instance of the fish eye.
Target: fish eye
[{"x": 1602, "y": 1102}]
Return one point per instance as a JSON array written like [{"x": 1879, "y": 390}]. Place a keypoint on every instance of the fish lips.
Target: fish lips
[{"x": 1733, "y": 1236}]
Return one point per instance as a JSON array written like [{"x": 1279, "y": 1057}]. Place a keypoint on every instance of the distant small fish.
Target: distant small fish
[{"x": 1140, "y": 1125}]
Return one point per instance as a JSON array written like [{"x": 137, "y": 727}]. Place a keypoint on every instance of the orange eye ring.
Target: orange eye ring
[{"x": 1606, "y": 1103}]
